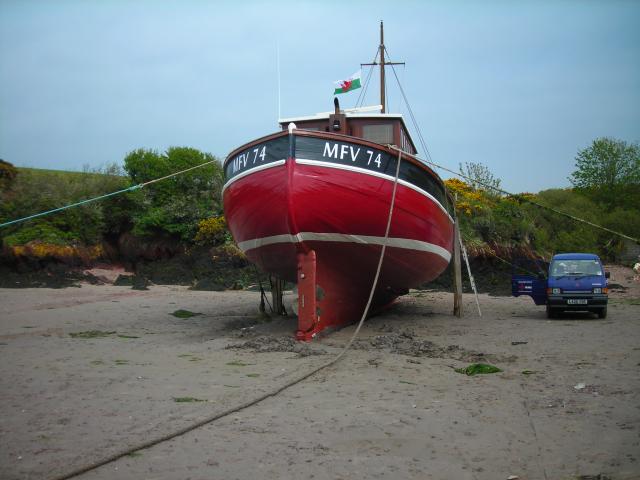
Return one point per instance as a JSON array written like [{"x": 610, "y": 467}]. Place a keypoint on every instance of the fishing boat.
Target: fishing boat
[{"x": 310, "y": 204}]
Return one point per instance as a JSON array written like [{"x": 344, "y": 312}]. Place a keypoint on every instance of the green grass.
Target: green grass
[
  {"x": 121, "y": 362},
  {"x": 626, "y": 301},
  {"x": 192, "y": 358},
  {"x": 91, "y": 334},
  {"x": 478, "y": 369},
  {"x": 187, "y": 399},
  {"x": 65, "y": 173},
  {"x": 253, "y": 375},
  {"x": 238, "y": 363},
  {"x": 184, "y": 314}
]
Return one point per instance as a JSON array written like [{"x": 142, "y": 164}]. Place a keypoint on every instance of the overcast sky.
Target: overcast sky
[{"x": 517, "y": 86}]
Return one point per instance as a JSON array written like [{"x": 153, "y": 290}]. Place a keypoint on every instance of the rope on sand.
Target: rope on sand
[{"x": 217, "y": 416}]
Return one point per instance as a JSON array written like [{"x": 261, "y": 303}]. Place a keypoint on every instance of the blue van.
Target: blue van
[{"x": 576, "y": 282}]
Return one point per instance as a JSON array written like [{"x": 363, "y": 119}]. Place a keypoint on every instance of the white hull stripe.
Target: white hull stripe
[
  {"x": 277, "y": 163},
  {"x": 405, "y": 243},
  {"x": 318, "y": 163}
]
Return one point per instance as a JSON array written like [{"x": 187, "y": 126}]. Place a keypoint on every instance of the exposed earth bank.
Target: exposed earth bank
[{"x": 202, "y": 268}]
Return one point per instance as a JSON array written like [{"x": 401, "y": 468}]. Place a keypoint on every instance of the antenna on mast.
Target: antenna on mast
[
  {"x": 278, "y": 69},
  {"x": 381, "y": 50}
]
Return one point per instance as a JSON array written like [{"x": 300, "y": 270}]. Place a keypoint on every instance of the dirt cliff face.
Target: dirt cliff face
[
  {"x": 203, "y": 268},
  {"x": 164, "y": 261},
  {"x": 40, "y": 253},
  {"x": 132, "y": 248},
  {"x": 158, "y": 261}
]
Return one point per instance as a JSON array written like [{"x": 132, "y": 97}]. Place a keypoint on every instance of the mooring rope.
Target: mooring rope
[
  {"x": 101, "y": 197},
  {"x": 76, "y": 204},
  {"x": 250, "y": 403},
  {"x": 522, "y": 198},
  {"x": 428, "y": 161}
]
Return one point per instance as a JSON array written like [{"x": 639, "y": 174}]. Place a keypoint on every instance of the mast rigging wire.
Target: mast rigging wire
[
  {"x": 363, "y": 92},
  {"x": 520, "y": 197},
  {"x": 410, "y": 110}
]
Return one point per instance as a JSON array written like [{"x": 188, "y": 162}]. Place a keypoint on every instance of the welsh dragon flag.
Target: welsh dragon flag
[{"x": 349, "y": 84}]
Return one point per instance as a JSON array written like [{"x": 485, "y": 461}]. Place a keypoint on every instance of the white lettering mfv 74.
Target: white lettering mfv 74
[
  {"x": 240, "y": 162},
  {"x": 330, "y": 152},
  {"x": 377, "y": 160},
  {"x": 340, "y": 152}
]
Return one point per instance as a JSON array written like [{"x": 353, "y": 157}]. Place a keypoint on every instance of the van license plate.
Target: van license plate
[{"x": 577, "y": 301}]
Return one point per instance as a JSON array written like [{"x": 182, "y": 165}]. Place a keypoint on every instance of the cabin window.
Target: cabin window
[
  {"x": 380, "y": 133},
  {"x": 405, "y": 143}
]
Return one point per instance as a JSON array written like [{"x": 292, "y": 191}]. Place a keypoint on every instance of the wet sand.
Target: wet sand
[{"x": 394, "y": 407}]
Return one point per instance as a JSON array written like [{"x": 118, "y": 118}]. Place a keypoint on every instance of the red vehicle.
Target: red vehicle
[{"x": 310, "y": 204}]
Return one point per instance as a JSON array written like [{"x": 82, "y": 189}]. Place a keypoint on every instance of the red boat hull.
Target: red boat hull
[{"x": 322, "y": 225}]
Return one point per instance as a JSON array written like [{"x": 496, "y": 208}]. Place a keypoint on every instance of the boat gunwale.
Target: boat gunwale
[
  {"x": 349, "y": 138},
  {"x": 250, "y": 144}
]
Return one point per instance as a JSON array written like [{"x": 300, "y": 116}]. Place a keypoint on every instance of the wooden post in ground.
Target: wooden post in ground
[
  {"x": 277, "y": 286},
  {"x": 457, "y": 273}
]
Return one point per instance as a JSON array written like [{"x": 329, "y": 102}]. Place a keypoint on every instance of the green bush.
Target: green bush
[
  {"x": 174, "y": 207},
  {"x": 33, "y": 191},
  {"x": 43, "y": 231}
]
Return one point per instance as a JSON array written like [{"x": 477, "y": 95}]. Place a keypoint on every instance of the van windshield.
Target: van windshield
[{"x": 563, "y": 268}]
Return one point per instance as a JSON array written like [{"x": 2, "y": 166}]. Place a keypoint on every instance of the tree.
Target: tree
[
  {"x": 7, "y": 173},
  {"x": 609, "y": 171},
  {"x": 176, "y": 205},
  {"x": 555, "y": 233},
  {"x": 480, "y": 177}
]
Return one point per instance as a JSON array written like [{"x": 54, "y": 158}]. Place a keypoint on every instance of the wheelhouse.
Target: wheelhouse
[{"x": 382, "y": 128}]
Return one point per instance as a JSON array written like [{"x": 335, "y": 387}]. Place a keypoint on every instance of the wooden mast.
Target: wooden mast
[
  {"x": 382, "y": 81},
  {"x": 381, "y": 50}
]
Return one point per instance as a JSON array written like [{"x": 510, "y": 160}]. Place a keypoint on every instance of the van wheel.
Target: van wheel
[
  {"x": 551, "y": 313},
  {"x": 602, "y": 313}
]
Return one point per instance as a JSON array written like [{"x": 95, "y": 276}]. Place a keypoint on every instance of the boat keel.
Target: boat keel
[
  {"x": 332, "y": 293},
  {"x": 307, "y": 298}
]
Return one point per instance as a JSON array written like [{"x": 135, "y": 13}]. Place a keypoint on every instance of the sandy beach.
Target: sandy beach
[{"x": 86, "y": 372}]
